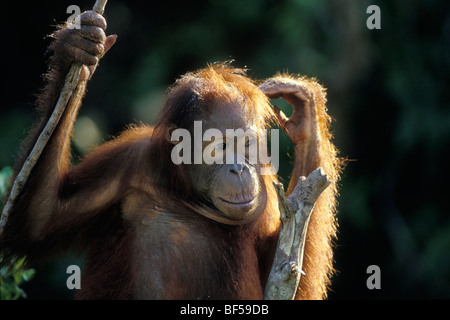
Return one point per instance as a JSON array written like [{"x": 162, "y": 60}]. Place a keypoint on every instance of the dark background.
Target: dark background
[{"x": 388, "y": 92}]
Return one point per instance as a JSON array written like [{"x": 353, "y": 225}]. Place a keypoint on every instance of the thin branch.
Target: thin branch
[
  {"x": 295, "y": 214},
  {"x": 70, "y": 85}
]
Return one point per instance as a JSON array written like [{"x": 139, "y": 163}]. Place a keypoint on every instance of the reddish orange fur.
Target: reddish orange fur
[
  {"x": 138, "y": 161},
  {"x": 318, "y": 260}
]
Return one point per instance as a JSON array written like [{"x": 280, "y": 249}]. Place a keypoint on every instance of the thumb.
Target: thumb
[
  {"x": 109, "y": 42},
  {"x": 281, "y": 116}
]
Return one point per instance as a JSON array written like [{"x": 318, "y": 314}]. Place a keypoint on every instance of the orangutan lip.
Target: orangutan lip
[{"x": 236, "y": 203}]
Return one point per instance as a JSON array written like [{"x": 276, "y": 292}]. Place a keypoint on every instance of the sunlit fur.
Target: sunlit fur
[
  {"x": 75, "y": 202},
  {"x": 222, "y": 84},
  {"x": 318, "y": 260}
]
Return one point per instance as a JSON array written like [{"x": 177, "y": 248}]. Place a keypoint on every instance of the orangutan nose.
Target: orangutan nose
[{"x": 237, "y": 168}]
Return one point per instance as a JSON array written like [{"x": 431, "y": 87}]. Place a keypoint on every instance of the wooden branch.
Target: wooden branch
[
  {"x": 70, "y": 84},
  {"x": 295, "y": 213}
]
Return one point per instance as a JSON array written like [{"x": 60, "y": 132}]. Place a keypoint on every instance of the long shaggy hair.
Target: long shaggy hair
[{"x": 221, "y": 84}]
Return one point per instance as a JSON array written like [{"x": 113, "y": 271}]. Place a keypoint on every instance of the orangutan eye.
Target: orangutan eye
[
  {"x": 220, "y": 146},
  {"x": 249, "y": 142}
]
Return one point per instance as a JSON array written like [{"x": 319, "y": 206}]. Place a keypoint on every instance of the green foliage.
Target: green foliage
[
  {"x": 11, "y": 278},
  {"x": 13, "y": 275},
  {"x": 5, "y": 174}
]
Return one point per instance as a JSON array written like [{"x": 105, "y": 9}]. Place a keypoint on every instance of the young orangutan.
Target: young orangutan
[{"x": 152, "y": 229}]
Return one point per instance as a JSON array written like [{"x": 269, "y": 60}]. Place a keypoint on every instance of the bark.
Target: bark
[
  {"x": 295, "y": 212},
  {"x": 70, "y": 84}
]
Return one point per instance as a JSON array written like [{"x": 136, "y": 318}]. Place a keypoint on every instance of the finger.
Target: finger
[
  {"x": 92, "y": 18},
  {"x": 92, "y": 47},
  {"x": 281, "y": 85},
  {"x": 269, "y": 90},
  {"x": 92, "y": 33},
  {"x": 82, "y": 56},
  {"x": 273, "y": 95},
  {"x": 285, "y": 87}
]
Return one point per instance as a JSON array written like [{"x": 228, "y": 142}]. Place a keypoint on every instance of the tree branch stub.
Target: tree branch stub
[{"x": 295, "y": 212}]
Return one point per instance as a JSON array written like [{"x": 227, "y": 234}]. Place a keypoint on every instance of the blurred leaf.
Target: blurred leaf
[
  {"x": 12, "y": 275},
  {"x": 5, "y": 175}
]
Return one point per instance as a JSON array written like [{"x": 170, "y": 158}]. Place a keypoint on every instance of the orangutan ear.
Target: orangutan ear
[{"x": 169, "y": 132}]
